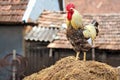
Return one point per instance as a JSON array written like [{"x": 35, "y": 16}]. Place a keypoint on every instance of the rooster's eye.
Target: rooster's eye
[{"x": 71, "y": 9}]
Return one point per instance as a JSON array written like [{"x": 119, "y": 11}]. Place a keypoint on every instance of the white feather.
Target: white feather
[{"x": 89, "y": 41}]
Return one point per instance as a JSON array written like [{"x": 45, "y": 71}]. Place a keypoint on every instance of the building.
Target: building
[
  {"x": 104, "y": 9},
  {"x": 106, "y": 43},
  {"x": 16, "y": 19},
  {"x": 46, "y": 42},
  {"x": 37, "y": 39},
  {"x": 11, "y": 29},
  {"x": 12, "y": 26}
]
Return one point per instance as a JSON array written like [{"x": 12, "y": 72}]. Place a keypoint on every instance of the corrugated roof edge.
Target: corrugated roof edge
[{"x": 36, "y": 34}]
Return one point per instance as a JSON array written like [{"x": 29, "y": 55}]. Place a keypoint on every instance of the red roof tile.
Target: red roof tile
[
  {"x": 48, "y": 25},
  {"x": 109, "y": 29},
  {"x": 51, "y": 19},
  {"x": 61, "y": 42},
  {"x": 12, "y": 10},
  {"x": 109, "y": 32}
]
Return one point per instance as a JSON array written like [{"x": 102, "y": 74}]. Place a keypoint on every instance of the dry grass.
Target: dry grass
[{"x": 70, "y": 69}]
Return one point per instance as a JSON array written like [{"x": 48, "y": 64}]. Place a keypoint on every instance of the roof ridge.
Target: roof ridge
[{"x": 48, "y": 11}]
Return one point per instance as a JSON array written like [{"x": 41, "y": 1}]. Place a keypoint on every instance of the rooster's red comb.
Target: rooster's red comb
[{"x": 70, "y": 5}]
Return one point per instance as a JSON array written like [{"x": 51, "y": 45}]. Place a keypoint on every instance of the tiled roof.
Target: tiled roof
[
  {"x": 61, "y": 41},
  {"x": 12, "y": 10},
  {"x": 48, "y": 25},
  {"x": 51, "y": 19},
  {"x": 109, "y": 32},
  {"x": 96, "y": 6}
]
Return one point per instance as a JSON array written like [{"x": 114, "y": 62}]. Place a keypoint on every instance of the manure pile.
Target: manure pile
[{"x": 70, "y": 69}]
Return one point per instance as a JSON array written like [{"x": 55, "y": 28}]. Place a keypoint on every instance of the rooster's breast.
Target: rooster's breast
[{"x": 77, "y": 39}]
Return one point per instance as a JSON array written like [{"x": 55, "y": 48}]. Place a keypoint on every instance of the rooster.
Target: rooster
[{"x": 77, "y": 33}]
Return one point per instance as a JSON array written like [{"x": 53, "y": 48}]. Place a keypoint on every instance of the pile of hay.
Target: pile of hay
[{"x": 70, "y": 69}]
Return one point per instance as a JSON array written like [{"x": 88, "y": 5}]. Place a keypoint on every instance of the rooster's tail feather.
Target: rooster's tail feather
[{"x": 95, "y": 23}]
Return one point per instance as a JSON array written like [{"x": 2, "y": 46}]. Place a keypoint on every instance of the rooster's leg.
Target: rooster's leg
[
  {"x": 84, "y": 57},
  {"x": 77, "y": 55}
]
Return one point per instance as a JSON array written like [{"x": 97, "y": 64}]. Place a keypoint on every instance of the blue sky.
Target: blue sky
[{"x": 35, "y": 8}]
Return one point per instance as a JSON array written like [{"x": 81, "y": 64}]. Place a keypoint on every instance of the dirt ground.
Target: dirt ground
[{"x": 70, "y": 69}]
